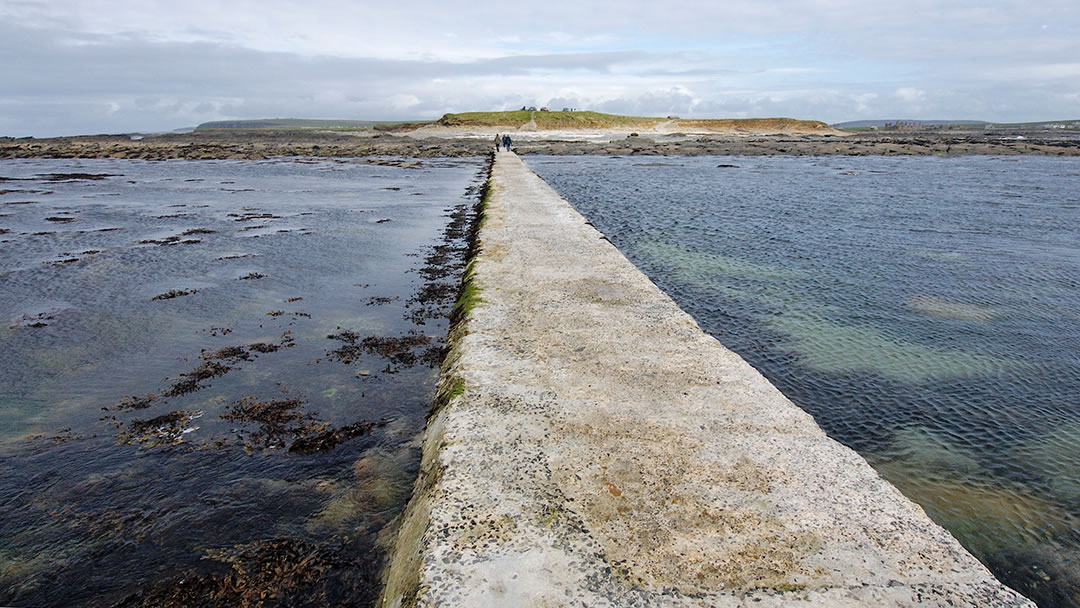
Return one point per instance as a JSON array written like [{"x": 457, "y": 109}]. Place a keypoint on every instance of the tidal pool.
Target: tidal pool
[
  {"x": 923, "y": 310},
  {"x": 215, "y": 373}
]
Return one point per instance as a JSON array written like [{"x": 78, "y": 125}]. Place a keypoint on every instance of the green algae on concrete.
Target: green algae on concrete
[{"x": 594, "y": 447}]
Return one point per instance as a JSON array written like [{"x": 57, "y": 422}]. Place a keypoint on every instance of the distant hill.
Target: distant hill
[
  {"x": 542, "y": 120},
  {"x": 294, "y": 123},
  {"x": 907, "y": 125},
  {"x": 1041, "y": 124},
  {"x": 545, "y": 119},
  {"x": 870, "y": 124}
]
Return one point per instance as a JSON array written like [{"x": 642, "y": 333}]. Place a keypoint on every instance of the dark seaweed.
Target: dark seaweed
[
  {"x": 267, "y": 573},
  {"x": 174, "y": 293},
  {"x": 191, "y": 381},
  {"x": 398, "y": 350}
]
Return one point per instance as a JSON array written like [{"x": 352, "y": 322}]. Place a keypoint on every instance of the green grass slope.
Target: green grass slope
[{"x": 546, "y": 120}]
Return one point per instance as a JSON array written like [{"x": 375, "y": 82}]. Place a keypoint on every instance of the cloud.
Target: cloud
[
  {"x": 673, "y": 101},
  {"x": 910, "y": 94},
  {"x": 127, "y": 65}
]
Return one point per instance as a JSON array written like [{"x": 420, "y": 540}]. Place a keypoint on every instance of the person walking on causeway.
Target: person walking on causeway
[
  {"x": 498, "y": 140},
  {"x": 506, "y": 142}
]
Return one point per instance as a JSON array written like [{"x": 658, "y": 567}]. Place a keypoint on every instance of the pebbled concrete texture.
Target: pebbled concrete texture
[{"x": 593, "y": 447}]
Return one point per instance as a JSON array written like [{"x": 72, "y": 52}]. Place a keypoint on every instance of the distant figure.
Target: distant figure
[
  {"x": 498, "y": 140},
  {"x": 506, "y": 142}
]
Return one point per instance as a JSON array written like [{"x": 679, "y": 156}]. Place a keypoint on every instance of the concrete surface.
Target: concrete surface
[{"x": 593, "y": 447}]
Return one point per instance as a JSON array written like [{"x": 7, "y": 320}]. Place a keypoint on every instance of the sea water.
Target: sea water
[
  {"x": 925, "y": 311},
  {"x": 214, "y": 373}
]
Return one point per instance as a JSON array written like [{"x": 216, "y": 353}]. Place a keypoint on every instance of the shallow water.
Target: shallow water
[
  {"x": 923, "y": 310},
  {"x": 215, "y": 372}
]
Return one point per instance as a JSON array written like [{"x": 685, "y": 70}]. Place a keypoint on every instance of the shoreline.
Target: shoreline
[{"x": 260, "y": 145}]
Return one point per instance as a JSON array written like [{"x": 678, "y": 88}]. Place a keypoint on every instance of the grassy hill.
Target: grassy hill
[
  {"x": 752, "y": 125},
  {"x": 546, "y": 120},
  {"x": 543, "y": 121}
]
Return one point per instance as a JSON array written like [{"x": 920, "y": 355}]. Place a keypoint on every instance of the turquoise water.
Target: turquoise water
[
  {"x": 215, "y": 373},
  {"x": 925, "y": 311}
]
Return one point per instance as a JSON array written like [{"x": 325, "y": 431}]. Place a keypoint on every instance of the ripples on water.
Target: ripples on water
[
  {"x": 923, "y": 310},
  {"x": 217, "y": 445}
]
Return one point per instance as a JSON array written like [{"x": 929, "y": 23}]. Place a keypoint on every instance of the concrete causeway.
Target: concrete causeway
[{"x": 592, "y": 446}]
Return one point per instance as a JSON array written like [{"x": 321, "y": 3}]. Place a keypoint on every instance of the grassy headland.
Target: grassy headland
[
  {"x": 551, "y": 120},
  {"x": 547, "y": 120},
  {"x": 538, "y": 120},
  {"x": 753, "y": 125}
]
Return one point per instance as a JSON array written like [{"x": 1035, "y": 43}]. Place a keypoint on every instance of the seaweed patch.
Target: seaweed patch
[
  {"x": 174, "y": 293},
  {"x": 401, "y": 351},
  {"x": 36, "y": 320},
  {"x": 135, "y": 403},
  {"x": 283, "y": 423},
  {"x": 71, "y": 177},
  {"x": 435, "y": 298},
  {"x": 193, "y": 380},
  {"x": 274, "y": 572},
  {"x": 170, "y": 240},
  {"x": 247, "y": 217},
  {"x": 164, "y": 430}
]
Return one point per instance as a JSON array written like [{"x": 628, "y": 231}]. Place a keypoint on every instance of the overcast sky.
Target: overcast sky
[{"x": 96, "y": 66}]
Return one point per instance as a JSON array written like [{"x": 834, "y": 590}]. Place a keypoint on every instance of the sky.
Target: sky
[{"x": 121, "y": 66}]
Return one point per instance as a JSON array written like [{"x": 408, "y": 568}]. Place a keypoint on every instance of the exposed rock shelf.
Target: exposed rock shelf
[{"x": 466, "y": 141}]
